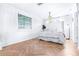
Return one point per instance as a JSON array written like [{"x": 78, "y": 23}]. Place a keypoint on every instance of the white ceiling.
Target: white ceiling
[{"x": 56, "y": 9}]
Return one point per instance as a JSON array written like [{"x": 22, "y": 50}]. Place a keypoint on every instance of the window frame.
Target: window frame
[{"x": 24, "y": 24}]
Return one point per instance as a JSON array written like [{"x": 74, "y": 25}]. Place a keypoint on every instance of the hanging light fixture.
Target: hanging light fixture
[{"x": 49, "y": 17}]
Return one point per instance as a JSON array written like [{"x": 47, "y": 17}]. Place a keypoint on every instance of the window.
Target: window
[{"x": 24, "y": 22}]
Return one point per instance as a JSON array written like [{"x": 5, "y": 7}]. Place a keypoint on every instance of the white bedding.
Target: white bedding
[{"x": 57, "y": 37}]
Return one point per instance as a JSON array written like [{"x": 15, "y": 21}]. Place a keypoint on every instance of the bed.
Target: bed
[{"x": 47, "y": 35}]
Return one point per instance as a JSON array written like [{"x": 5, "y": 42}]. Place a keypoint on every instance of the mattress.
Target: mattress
[{"x": 57, "y": 37}]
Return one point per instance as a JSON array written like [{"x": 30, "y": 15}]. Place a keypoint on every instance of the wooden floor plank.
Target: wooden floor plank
[{"x": 37, "y": 47}]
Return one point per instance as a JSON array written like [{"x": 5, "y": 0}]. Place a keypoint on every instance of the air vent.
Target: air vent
[{"x": 39, "y": 4}]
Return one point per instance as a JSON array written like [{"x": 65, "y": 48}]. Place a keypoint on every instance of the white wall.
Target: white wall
[
  {"x": 10, "y": 32},
  {"x": 75, "y": 17},
  {"x": 56, "y": 9},
  {"x": 9, "y": 26},
  {"x": 1, "y": 24},
  {"x": 55, "y": 25},
  {"x": 76, "y": 25}
]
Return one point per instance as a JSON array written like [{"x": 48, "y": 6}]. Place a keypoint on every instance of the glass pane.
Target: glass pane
[{"x": 24, "y": 21}]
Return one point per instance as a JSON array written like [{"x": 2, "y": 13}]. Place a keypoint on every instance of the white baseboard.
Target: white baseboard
[
  {"x": 78, "y": 47},
  {"x": 17, "y": 41},
  {"x": 0, "y": 48}
]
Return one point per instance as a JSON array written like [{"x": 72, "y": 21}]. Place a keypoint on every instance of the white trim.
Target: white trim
[
  {"x": 0, "y": 48},
  {"x": 18, "y": 41},
  {"x": 78, "y": 47},
  {"x": 14, "y": 42}
]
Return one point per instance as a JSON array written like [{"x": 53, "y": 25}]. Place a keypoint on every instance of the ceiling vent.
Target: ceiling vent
[{"x": 39, "y": 4}]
